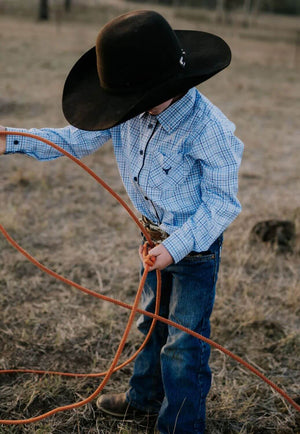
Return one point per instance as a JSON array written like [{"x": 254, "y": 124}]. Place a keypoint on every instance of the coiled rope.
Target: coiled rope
[{"x": 149, "y": 261}]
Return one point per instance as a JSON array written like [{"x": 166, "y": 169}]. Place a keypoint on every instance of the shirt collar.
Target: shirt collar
[{"x": 173, "y": 115}]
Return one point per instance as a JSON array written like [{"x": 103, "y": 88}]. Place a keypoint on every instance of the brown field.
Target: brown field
[{"x": 60, "y": 215}]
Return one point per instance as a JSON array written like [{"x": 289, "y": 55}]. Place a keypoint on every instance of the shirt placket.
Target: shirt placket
[{"x": 147, "y": 133}]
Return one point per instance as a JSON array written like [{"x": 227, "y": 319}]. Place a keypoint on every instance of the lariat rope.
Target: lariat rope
[{"x": 148, "y": 262}]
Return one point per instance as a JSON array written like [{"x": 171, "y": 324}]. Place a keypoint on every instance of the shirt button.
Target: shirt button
[
  {"x": 16, "y": 142},
  {"x": 146, "y": 198},
  {"x": 150, "y": 125},
  {"x": 135, "y": 178},
  {"x": 141, "y": 152}
]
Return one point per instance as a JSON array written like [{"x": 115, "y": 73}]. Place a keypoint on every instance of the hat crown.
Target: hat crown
[
  {"x": 136, "y": 49},
  {"x": 138, "y": 63}
]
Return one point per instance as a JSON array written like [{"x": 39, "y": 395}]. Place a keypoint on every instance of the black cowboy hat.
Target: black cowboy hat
[{"x": 138, "y": 62}]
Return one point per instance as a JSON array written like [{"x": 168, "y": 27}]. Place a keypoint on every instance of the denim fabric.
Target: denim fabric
[{"x": 171, "y": 375}]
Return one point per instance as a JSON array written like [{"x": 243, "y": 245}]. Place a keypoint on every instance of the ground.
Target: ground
[{"x": 60, "y": 215}]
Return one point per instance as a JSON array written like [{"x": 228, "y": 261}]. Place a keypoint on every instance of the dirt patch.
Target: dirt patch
[{"x": 8, "y": 107}]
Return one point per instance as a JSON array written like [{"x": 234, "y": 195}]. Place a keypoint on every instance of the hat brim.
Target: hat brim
[{"x": 87, "y": 106}]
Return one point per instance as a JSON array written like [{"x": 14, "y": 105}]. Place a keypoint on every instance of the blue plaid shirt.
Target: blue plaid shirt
[{"x": 180, "y": 168}]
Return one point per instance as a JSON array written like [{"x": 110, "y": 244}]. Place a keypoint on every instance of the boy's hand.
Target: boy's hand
[
  {"x": 162, "y": 256},
  {"x": 2, "y": 141}
]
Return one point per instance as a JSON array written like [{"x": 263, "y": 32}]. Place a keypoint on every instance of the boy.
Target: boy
[{"x": 179, "y": 160}]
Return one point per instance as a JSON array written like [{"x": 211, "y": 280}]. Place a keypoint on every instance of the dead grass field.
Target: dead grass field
[{"x": 71, "y": 225}]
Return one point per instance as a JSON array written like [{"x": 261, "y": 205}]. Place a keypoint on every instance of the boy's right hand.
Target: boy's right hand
[{"x": 2, "y": 141}]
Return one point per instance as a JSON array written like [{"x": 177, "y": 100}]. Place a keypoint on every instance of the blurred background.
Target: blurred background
[{"x": 63, "y": 218}]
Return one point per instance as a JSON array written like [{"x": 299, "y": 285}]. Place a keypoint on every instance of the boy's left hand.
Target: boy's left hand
[{"x": 162, "y": 256}]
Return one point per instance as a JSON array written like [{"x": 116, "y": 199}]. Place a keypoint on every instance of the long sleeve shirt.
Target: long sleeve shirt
[{"x": 179, "y": 168}]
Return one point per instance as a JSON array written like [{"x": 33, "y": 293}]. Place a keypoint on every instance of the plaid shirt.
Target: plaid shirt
[{"x": 180, "y": 168}]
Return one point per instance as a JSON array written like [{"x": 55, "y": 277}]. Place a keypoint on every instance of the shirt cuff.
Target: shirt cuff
[
  {"x": 179, "y": 244},
  {"x": 15, "y": 143}
]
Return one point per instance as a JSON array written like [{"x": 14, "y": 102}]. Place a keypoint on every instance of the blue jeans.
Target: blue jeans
[{"x": 171, "y": 375}]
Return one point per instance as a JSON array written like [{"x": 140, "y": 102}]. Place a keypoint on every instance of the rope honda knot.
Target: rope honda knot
[{"x": 149, "y": 260}]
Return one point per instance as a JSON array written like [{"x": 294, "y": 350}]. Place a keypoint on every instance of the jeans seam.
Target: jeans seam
[{"x": 201, "y": 397}]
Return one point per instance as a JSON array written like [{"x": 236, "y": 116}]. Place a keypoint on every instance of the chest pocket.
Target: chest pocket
[{"x": 167, "y": 171}]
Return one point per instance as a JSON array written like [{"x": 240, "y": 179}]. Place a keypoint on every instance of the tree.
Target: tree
[
  {"x": 220, "y": 8},
  {"x": 43, "y": 10},
  {"x": 251, "y": 11},
  {"x": 68, "y": 5}
]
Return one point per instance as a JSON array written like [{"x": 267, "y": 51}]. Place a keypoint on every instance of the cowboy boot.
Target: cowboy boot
[{"x": 116, "y": 405}]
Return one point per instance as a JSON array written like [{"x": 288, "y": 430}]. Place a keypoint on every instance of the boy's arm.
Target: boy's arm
[
  {"x": 77, "y": 142},
  {"x": 220, "y": 154}
]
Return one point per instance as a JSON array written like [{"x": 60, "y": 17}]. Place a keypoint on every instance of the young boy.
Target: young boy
[{"x": 179, "y": 160}]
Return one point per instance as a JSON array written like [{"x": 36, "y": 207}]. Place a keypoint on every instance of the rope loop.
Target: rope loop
[{"x": 149, "y": 262}]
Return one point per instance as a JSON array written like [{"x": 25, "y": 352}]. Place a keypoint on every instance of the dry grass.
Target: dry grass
[{"x": 62, "y": 217}]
